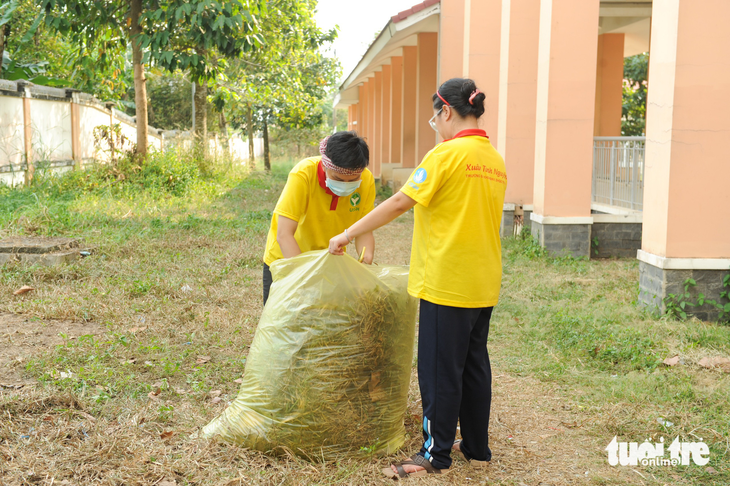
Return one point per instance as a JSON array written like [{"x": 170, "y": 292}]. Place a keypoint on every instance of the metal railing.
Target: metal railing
[{"x": 618, "y": 171}]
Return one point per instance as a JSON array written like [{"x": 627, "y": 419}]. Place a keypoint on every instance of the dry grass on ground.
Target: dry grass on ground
[{"x": 129, "y": 350}]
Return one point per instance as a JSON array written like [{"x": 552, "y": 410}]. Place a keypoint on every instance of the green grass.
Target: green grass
[
  {"x": 576, "y": 323},
  {"x": 178, "y": 250}
]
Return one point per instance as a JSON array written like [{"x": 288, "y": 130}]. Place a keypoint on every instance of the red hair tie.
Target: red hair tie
[
  {"x": 473, "y": 95},
  {"x": 442, "y": 98}
]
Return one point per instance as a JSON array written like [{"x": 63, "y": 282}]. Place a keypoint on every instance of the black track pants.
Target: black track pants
[{"x": 455, "y": 379}]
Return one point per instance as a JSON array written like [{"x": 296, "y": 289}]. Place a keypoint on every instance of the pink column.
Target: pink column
[
  {"x": 366, "y": 113},
  {"x": 385, "y": 116},
  {"x": 482, "y": 35},
  {"x": 376, "y": 149},
  {"x": 685, "y": 229},
  {"x": 566, "y": 84},
  {"x": 609, "y": 85},
  {"x": 519, "y": 93},
  {"x": 410, "y": 93},
  {"x": 360, "y": 117},
  {"x": 427, "y": 85},
  {"x": 396, "y": 110},
  {"x": 451, "y": 40}
]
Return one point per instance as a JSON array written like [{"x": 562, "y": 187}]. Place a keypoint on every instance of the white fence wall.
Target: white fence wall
[
  {"x": 11, "y": 131},
  {"x": 90, "y": 117},
  {"x": 52, "y": 130}
]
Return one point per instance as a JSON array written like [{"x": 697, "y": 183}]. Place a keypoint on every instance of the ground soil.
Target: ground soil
[{"x": 23, "y": 337}]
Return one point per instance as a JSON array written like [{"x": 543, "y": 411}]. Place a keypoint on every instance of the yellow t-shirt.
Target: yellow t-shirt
[
  {"x": 456, "y": 257},
  {"x": 320, "y": 213}
]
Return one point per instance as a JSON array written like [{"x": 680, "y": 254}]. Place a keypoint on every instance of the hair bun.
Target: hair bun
[{"x": 463, "y": 95}]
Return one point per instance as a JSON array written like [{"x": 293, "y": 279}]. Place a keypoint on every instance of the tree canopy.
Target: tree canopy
[{"x": 633, "y": 113}]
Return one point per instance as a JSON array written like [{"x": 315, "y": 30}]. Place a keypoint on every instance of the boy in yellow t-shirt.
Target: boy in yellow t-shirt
[{"x": 323, "y": 196}]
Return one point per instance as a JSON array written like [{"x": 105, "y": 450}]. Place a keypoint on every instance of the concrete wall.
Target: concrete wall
[
  {"x": 54, "y": 141},
  {"x": 11, "y": 131},
  {"x": 51, "y": 130}
]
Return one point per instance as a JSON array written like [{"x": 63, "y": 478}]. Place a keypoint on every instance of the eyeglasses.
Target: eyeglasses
[{"x": 432, "y": 121}]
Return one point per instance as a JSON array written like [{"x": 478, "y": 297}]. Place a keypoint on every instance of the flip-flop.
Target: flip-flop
[{"x": 416, "y": 460}]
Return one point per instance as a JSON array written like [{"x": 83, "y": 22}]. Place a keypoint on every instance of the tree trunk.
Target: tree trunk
[
  {"x": 223, "y": 126},
  {"x": 251, "y": 150},
  {"x": 201, "y": 119},
  {"x": 2, "y": 46},
  {"x": 267, "y": 154},
  {"x": 140, "y": 83}
]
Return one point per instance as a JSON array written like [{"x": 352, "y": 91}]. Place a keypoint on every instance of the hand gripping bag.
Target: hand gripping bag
[{"x": 329, "y": 368}]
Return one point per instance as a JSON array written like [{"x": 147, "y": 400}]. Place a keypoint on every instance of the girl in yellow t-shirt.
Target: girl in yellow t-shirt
[
  {"x": 456, "y": 270},
  {"x": 322, "y": 196}
]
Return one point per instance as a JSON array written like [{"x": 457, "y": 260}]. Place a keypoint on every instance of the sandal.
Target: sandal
[
  {"x": 416, "y": 460},
  {"x": 472, "y": 462}
]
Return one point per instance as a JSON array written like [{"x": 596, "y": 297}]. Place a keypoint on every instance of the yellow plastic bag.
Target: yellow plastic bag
[{"x": 329, "y": 368}]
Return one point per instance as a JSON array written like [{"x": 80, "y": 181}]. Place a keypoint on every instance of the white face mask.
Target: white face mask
[{"x": 342, "y": 188}]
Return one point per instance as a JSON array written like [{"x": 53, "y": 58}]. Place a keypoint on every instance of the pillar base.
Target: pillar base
[
  {"x": 400, "y": 177},
  {"x": 659, "y": 277},
  {"x": 563, "y": 236},
  {"x": 616, "y": 235},
  {"x": 507, "y": 228}
]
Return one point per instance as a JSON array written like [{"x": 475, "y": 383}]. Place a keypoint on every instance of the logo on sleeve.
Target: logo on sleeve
[
  {"x": 420, "y": 176},
  {"x": 355, "y": 199}
]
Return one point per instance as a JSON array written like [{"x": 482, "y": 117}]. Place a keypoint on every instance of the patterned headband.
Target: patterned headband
[{"x": 327, "y": 162}]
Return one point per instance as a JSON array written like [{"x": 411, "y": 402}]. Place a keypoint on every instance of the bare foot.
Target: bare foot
[{"x": 456, "y": 447}]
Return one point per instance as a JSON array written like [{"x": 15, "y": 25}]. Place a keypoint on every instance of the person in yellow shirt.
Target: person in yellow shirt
[
  {"x": 456, "y": 270},
  {"x": 322, "y": 197}
]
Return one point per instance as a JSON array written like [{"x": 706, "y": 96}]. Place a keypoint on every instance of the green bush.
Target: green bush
[{"x": 169, "y": 172}]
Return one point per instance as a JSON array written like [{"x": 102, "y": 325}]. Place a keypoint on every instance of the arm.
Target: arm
[
  {"x": 380, "y": 216},
  {"x": 285, "y": 237},
  {"x": 366, "y": 241}
]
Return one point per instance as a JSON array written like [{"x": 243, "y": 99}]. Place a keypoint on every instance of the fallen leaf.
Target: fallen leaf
[
  {"x": 167, "y": 435},
  {"x": 157, "y": 385},
  {"x": 130, "y": 361},
  {"x": 138, "y": 329},
  {"x": 711, "y": 470},
  {"x": 239, "y": 381},
  {"x": 22, "y": 290},
  {"x": 215, "y": 393},
  {"x": 180, "y": 391},
  {"x": 167, "y": 483},
  {"x": 217, "y": 400},
  {"x": 717, "y": 362},
  {"x": 202, "y": 359},
  {"x": 671, "y": 361},
  {"x": 153, "y": 394}
]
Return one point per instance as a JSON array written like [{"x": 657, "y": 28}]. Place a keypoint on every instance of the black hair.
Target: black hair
[
  {"x": 347, "y": 150},
  {"x": 457, "y": 92}
]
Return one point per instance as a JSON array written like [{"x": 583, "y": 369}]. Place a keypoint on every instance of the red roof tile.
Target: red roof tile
[{"x": 416, "y": 8}]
